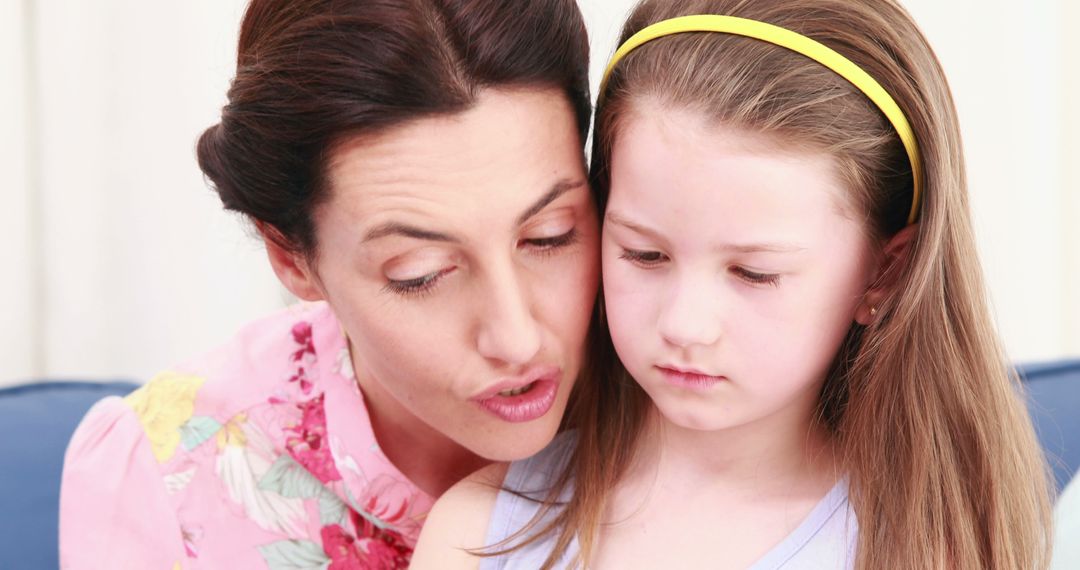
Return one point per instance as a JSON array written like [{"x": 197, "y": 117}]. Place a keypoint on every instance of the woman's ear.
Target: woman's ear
[
  {"x": 894, "y": 258},
  {"x": 293, "y": 269}
]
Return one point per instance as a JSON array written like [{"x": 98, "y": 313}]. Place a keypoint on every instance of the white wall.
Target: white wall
[
  {"x": 19, "y": 354},
  {"x": 1070, "y": 153},
  {"x": 118, "y": 261},
  {"x": 137, "y": 266},
  {"x": 1005, "y": 66}
]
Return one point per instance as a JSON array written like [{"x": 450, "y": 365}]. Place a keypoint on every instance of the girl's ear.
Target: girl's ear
[
  {"x": 894, "y": 258},
  {"x": 292, "y": 269}
]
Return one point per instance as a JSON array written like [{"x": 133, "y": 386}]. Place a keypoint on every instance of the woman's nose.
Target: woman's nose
[{"x": 509, "y": 332}]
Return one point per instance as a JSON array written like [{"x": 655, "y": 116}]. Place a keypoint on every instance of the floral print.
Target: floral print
[
  {"x": 163, "y": 405},
  {"x": 307, "y": 445},
  {"x": 367, "y": 546},
  {"x": 259, "y": 455}
]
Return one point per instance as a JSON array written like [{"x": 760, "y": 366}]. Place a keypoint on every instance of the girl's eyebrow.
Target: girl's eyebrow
[
  {"x": 614, "y": 218},
  {"x": 763, "y": 247}
]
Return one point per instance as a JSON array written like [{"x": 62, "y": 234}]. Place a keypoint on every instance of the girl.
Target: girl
[
  {"x": 416, "y": 171},
  {"x": 790, "y": 280}
]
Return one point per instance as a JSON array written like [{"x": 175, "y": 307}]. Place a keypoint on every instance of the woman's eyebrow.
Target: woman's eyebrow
[
  {"x": 399, "y": 229},
  {"x": 561, "y": 187}
]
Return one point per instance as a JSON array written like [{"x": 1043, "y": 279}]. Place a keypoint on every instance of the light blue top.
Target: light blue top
[
  {"x": 1067, "y": 528},
  {"x": 825, "y": 540}
]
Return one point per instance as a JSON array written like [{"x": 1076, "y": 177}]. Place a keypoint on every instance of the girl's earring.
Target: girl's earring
[{"x": 873, "y": 311}]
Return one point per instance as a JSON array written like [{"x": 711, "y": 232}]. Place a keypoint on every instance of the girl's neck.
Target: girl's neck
[{"x": 784, "y": 450}]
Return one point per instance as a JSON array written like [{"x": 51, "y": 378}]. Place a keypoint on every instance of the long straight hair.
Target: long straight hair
[{"x": 944, "y": 468}]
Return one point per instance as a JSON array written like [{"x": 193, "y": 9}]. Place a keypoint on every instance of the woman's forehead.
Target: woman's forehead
[{"x": 494, "y": 160}]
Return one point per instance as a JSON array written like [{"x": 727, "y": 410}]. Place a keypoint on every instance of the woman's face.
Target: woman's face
[
  {"x": 460, "y": 253},
  {"x": 732, "y": 270}
]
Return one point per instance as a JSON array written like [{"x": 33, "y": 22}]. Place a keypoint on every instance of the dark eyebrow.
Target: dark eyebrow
[
  {"x": 561, "y": 187},
  {"x": 397, "y": 228}
]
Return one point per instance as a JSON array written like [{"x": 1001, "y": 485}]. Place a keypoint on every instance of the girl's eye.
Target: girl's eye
[
  {"x": 643, "y": 258},
  {"x": 550, "y": 244},
  {"x": 756, "y": 278},
  {"x": 419, "y": 286}
]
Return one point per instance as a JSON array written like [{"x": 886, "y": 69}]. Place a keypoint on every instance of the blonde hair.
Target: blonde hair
[{"x": 944, "y": 468}]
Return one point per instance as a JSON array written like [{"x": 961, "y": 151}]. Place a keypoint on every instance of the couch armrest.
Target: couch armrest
[{"x": 36, "y": 422}]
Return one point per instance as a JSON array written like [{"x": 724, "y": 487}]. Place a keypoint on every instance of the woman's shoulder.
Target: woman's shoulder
[
  {"x": 111, "y": 474},
  {"x": 272, "y": 362},
  {"x": 281, "y": 357},
  {"x": 266, "y": 438},
  {"x": 278, "y": 365}
]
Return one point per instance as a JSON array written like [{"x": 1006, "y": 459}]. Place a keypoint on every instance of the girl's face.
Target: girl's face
[
  {"x": 460, "y": 253},
  {"x": 732, "y": 269}
]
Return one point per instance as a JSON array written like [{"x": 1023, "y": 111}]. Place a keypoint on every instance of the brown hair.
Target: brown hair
[
  {"x": 310, "y": 73},
  {"x": 943, "y": 465}
]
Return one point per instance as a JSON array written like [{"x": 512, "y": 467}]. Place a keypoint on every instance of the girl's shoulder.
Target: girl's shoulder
[
  {"x": 459, "y": 521},
  {"x": 490, "y": 506}
]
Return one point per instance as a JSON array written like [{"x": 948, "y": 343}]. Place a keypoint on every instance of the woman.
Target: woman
[{"x": 415, "y": 170}]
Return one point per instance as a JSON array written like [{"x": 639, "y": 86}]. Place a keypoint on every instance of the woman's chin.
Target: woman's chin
[{"x": 517, "y": 441}]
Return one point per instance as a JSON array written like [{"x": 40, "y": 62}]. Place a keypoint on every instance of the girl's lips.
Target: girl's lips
[
  {"x": 536, "y": 401},
  {"x": 689, "y": 380}
]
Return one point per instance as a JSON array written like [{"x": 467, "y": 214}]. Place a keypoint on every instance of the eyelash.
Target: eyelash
[
  {"x": 417, "y": 287},
  {"x": 547, "y": 246},
  {"x": 757, "y": 278},
  {"x": 645, "y": 259},
  {"x": 423, "y": 285},
  {"x": 652, "y": 259}
]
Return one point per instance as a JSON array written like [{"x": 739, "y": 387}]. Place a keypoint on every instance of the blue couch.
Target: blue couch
[
  {"x": 1054, "y": 403},
  {"x": 36, "y": 421}
]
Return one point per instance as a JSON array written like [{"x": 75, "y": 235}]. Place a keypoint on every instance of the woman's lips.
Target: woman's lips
[
  {"x": 689, "y": 379},
  {"x": 540, "y": 390}
]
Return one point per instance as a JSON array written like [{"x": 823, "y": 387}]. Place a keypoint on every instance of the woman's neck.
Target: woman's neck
[{"x": 432, "y": 461}]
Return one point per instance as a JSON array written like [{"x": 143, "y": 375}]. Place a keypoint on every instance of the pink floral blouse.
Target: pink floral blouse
[{"x": 258, "y": 455}]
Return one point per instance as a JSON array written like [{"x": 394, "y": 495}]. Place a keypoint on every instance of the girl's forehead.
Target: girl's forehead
[
  {"x": 654, "y": 152},
  {"x": 723, "y": 185}
]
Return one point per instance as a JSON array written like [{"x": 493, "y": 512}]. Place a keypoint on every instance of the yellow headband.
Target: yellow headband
[{"x": 798, "y": 43}]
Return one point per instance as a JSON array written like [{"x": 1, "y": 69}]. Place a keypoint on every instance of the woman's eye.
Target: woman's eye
[
  {"x": 418, "y": 286},
  {"x": 550, "y": 244},
  {"x": 756, "y": 278},
  {"x": 643, "y": 258}
]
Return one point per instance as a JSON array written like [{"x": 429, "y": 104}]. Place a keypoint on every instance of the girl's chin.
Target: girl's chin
[{"x": 683, "y": 416}]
